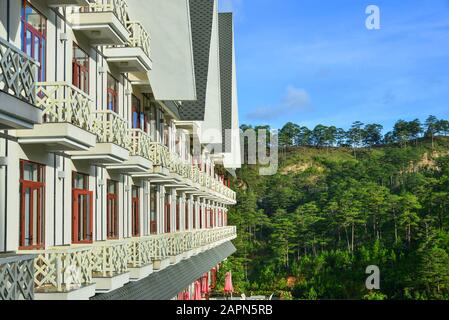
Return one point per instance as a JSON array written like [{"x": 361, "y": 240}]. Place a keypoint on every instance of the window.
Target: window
[
  {"x": 80, "y": 69},
  {"x": 178, "y": 214},
  {"x": 186, "y": 212},
  {"x": 112, "y": 93},
  {"x": 167, "y": 214},
  {"x": 211, "y": 218},
  {"x": 194, "y": 216},
  {"x": 153, "y": 208},
  {"x": 135, "y": 212},
  {"x": 163, "y": 129},
  {"x": 139, "y": 117},
  {"x": 112, "y": 210},
  {"x": 201, "y": 218},
  {"x": 82, "y": 209},
  {"x": 34, "y": 36},
  {"x": 167, "y": 136},
  {"x": 32, "y": 205},
  {"x": 153, "y": 121}
]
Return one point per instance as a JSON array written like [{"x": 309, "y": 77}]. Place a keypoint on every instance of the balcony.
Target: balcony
[
  {"x": 67, "y": 3},
  {"x": 68, "y": 123},
  {"x": 63, "y": 273},
  {"x": 16, "y": 277},
  {"x": 113, "y": 140},
  {"x": 140, "y": 157},
  {"x": 140, "y": 260},
  {"x": 77, "y": 272},
  {"x": 103, "y": 22},
  {"x": 17, "y": 89},
  {"x": 110, "y": 265},
  {"x": 135, "y": 56}
]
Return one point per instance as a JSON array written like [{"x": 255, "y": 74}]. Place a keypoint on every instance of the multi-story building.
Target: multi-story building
[{"x": 115, "y": 122}]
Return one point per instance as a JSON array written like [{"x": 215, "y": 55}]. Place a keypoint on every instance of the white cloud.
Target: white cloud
[
  {"x": 293, "y": 100},
  {"x": 296, "y": 98}
]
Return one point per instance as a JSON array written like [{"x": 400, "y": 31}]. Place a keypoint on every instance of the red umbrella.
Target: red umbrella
[
  {"x": 228, "y": 288},
  {"x": 197, "y": 293},
  {"x": 205, "y": 283}
]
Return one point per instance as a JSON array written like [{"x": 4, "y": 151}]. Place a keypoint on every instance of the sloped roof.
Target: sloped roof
[
  {"x": 225, "y": 25},
  {"x": 167, "y": 283},
  {"x": 201, "y": 18}
]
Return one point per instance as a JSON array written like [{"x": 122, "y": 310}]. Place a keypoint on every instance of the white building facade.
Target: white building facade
[{"x": 106, "y": 178}]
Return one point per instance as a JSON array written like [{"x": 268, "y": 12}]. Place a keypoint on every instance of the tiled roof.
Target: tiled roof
[
  {"x": 167, "y": 283},
  {"x": 225, "y": 28},
  {"x": 201, "y": 17}
]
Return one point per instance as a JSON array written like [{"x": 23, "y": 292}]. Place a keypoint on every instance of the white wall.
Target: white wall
[{"x": 168, "y": 21}]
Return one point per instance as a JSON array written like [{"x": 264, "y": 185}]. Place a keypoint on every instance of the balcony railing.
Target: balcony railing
[
  {"x": 118, "y": 7},
  {"x": 16, "y": 277},
  {"x": 18, "y": 73},
  {"x": 110, "y": 258},
  {"x": 111, "y": 128},
  {"x": 139, "y": 37},
  {"x": 160, "y": 155},
  {"x": 64, "y": 103},
  {"x": 140, "y": 251},
  {"x": 140, "y": 144},
  {"x": 62, "y": 269}
]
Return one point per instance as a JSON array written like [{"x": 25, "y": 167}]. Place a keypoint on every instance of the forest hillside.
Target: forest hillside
[{"x": 310, "y": 231}]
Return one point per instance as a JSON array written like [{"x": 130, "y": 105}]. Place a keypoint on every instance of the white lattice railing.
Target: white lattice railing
[
  {"x": 18, "y": 73},
  {"x": 16, "y": 277},
  {"x": 140, "y": 143},
  {"x": 62, "y": 269},
  {"x": 111, "y": 128},
  {"x": 139, "y": 37},
  {"x": 64, "y": 103},
  {"x": 160, "y": 155},
  {"x": 159, "y": 247},
  {"x": 110, "y": 258},
  {"x": 140, "y": 251},
  {"x": 118, "y": 7}
]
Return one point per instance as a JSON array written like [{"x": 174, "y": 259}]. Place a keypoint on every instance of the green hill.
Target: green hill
[{"x": 310, "y": 231}]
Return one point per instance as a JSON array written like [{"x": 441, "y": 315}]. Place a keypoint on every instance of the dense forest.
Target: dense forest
[{"x": 341, "y": 201}]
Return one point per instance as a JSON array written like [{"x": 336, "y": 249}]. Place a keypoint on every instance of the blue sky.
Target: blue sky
[{"x": 311, "y": 62}]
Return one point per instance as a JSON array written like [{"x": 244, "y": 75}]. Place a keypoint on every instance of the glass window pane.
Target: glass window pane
[
  {"x": 43, "y": 60},
  {"x": 35, "y": 216},
  {"x": 27, "y": 217},
  {"x": 29, "y": 40}
]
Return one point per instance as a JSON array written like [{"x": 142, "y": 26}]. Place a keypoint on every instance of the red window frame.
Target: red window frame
[
  {"x": 135, "y": 212},
  {"x": 139, "y": 117},
  {"x": 186, "y": 213},
  {"x": 38, "y": 186},
  {"x": 212, "y": 218},
  {"x": 35, "y": 35},
  {"x": 112, "y": 211},
  {"x": 153, "y": 210},
  {"x": 167, "y": 217},
  {"x": 80, "y": 71},
  {"x": 178, "y": 224},
  {"x": 88, "y": 196},
  {"x": 112, "y": 94},
  {"x": 194, "y": 216}
]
